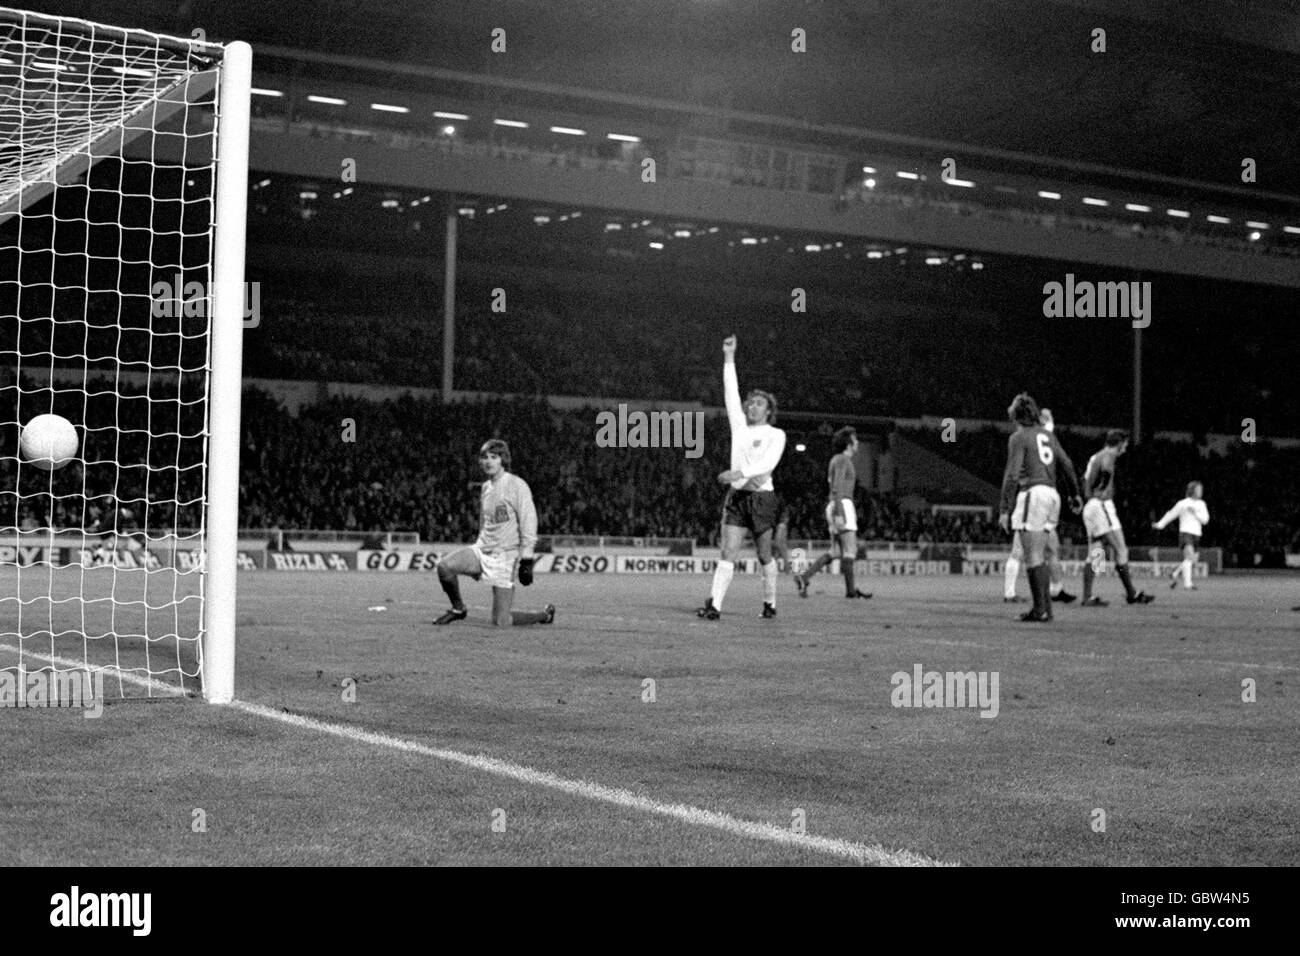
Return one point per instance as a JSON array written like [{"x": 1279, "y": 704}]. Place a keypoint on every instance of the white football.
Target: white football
[{"x": 48, "y": 441}]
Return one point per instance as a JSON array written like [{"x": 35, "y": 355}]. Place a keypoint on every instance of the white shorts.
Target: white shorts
[
  {"x": 1038, "y": 508},
  {"x": 1099, "y": 517},
  {"x": 850, "y": 517},
  {"x": 1018, "y": 547},
  {"x": 499, "y": 568}
]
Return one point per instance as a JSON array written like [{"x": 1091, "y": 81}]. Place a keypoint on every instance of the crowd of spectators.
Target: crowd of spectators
[
  {"x": 412, "y": 467},
  {"x": 409, "y": 464},
  {"x": 654, "y": 337}
]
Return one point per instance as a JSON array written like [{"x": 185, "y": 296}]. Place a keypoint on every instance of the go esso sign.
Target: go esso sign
[
  {"x": 428, "y": 561},
  {"x": 397, "y": 560}
]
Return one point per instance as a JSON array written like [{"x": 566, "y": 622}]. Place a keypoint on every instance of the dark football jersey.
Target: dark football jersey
[
  {"x": 841, "y": 476},
  {"x": 1033, "y": 458},
  {"x": 1099, "y": 476}
]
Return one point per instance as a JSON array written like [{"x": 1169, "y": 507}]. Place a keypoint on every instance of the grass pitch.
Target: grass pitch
[{"x": 1134, "y": 711}]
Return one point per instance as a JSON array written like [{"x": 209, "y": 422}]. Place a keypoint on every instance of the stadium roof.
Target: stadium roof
[{"x": 1186, "y": 88}]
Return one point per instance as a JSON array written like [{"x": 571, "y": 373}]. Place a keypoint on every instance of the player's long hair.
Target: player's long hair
[
  {"x": 771, "y": 403},
  {"x": 496, "y": 446},
  {"x": 1024, "y": 410},
  {"x": 843, "y": 439}
]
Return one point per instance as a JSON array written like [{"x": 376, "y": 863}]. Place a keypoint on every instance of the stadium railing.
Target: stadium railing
[
  {"x": 679, "y": 546},
  {"x": 943, "y": 550},
  {"x": 280, "y": 536}
]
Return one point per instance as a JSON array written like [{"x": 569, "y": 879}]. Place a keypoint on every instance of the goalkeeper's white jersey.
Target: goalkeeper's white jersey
[
  {"x": 1191, "y": 513},
  {"x": 755, "y": 449},
  {"x": 509, "y": 517}
]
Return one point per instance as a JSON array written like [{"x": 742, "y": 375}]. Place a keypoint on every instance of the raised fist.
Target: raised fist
[{"x": 729, "y": 346}]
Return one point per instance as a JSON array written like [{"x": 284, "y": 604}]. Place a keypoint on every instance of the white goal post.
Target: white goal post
[{"x": 123, "y": 195}]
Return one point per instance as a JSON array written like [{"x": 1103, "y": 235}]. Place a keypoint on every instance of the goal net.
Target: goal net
[{"x": 123, "y": 182}]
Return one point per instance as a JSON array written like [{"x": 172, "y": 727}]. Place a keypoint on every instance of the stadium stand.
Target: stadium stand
[{"x": 412, "y": 468}]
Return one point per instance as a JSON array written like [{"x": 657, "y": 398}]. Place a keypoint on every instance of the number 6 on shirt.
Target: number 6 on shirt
[{"x": 1045, "y": 453}]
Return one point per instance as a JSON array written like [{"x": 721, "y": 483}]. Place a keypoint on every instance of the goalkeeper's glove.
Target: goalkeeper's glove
[{"x": 526, "y": 571}]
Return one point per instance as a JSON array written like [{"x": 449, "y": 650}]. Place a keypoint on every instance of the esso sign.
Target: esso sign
[{"x": 580, "y": 564}]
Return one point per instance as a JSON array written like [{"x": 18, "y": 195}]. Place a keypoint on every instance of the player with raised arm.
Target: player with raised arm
[
  {"x": 1017, "y": 556},
  {"x": 506, "y": 540},
  {"x": 1192, "y": 516},
  {"x": 841, "y": 515},
  {"x": 1031, "y": 504},
  {"x": 751, "y": 503},
  {"x": 1102, "y": 522}
]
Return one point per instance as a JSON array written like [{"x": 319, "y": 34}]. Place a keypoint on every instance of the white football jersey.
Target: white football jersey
[
  {"x": 1191, "y": 513},
  {"x": 755, "y": 449}
]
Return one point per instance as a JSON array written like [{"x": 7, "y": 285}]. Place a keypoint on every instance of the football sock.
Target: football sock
[
  {"x": 1010, "y": 574},
  {"x": 1055, "y": 587},
  {"x": 1038, "y": 582},
  {"x": 1088, "y": 575},
  {"x": 721, "y": 581},
  {"x": 1122, "y": 571},
  {"x": 528, "y": 617},
  {"x": 816, "y": 566},
  {"x": 1187, "y": 573},
  {"x": 846, "y": 568},
  {"x": 1044, "y": 588},
  {"x": 769, "y": 583},
  {"x": 451, "y": 587}
]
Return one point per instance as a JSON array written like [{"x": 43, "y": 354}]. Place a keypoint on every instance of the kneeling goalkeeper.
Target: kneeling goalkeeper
[{"x": 505, "y": 540}]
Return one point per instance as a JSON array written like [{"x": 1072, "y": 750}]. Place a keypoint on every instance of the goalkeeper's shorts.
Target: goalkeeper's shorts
[{"x": 498, "y": 569}]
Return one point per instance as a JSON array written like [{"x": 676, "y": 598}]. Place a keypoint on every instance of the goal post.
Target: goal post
[
  {"x": 224, "y": 428},
  {"x": 123, "y": 192}
]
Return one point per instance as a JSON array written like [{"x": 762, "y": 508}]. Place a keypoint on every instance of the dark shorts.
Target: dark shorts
[
  {"x": 755, "y": 510},
  {"x": 1184, "y": 539},
  {"x": 782, "y": 510}
]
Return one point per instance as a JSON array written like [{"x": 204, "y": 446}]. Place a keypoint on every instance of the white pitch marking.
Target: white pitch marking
[
  {"x": 108, "y": 670},
  {"x": 846, "y": 849},
  {"x": 858, "y": 852}
]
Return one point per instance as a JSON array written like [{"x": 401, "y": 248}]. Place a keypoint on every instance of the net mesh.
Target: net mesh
[{"x": 106, "y": 211}]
